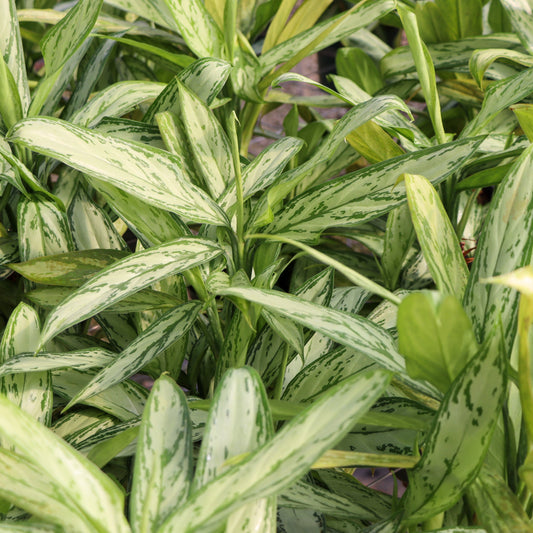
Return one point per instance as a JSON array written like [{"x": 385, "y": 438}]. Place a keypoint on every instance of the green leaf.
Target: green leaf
[
  {"x": 460, "y": 435},
  {"x": 151, "y": 174},
  {"x": 197, "y": 27},
  {"x": 449, "y": 20},
  {"x": 31, "y": 392},
  {"x": 424, "y": 68},
  {"x": 436, "y": 236},
  {"x": 355, "y": 64},
  {"x": 523, "y": 113},
  {"x": 10, "y": 105},
  {"x": 160, "y": 335},
  {"x": 69, "y": 269},
  {"x": 126, "y": 277},
  {"x": 283, "y": 459},
  {"x": 498, "y": 508},
  {"x": 144, "y": 300},
  {"x": 97, "y": 499},
  {"x": 360, "y": 196},
  {"x": 151, "y": 10},
  {"x": 163, "y": 462},
  {"x": 435, "y": 337},
  {"x": 63, "y": 39},
  {"x": 504, "y": 245}
]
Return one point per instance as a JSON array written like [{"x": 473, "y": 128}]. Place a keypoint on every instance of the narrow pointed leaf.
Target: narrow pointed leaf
[
  {"x": 12, "y": 51},
  {"x": 360, "y": 196},
  {"x": 101, "y": 499},
  {"x": 161, "y": 334},
  {"x": 197, "y": 27},
  {"x": 209, "y": 143},
  {"x": 436, "y": 236},
  {"x": 163, "y": 462},
  {"x": 63, "y": 39},
  {"x": 205, "y": 78},
  {"x": 31, "y": 392},
  {"x": 80, "y": 359},
  {"x": 31, "y": 488},
  {"x": 344, "y": 328},
  {"x": 126, "y": 277},
  {"x": 519, "y": 11},
  {"x": 505, "y": 244},
  {"x": 69, "y": 269},
  {"x": 116, "y": 100},
  {"x": 146, "y": 172},
  {"x": 43, "y": 229}
]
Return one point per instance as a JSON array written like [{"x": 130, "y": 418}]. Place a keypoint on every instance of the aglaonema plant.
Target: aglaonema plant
[{"x": 281, "y": 356}]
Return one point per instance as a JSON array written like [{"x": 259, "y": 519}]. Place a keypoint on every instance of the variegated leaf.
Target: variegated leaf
[
  {"x": 31, "y": 392},
  {"x": 519, "y": 11},
  {"x": 436, "y": 236},
  {"x": 358, "y": 17},
  {"x": 239, "y": 422},
  {"x": 160, "y": 335},
  {"x": 344, "y": 328},
  {"x": 144, "y": 300},
  {"x": 163, "y": 462},
  {"x": 43, "y": 229},
  {"x": 63, "y": 39},
  {"x": 12, "y": 51},
  {"x": 151, "y": 174},
  {"x": 98, "y": 500},
  {"x": 126, "y": 277},
  {"x": 30, "y": 487},
  {"x": 197, "y": 27},
  {"x": 81, "y": 359},
  {"x": 91, "y": 227},
  {"x": 460, "y": 435},
  {"x": 205, "y": 78},
  {"x": 124, "y": 400},
  {"x": 360, "y": 196},
  {"x": 116, "y": 100},
  {"x": 283, "y": 459},
  {"x": 504, "y": 245},
  {"x": 209, "y": 144}
]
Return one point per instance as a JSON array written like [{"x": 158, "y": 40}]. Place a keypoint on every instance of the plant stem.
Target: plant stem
[
  {"x": 281, "y": 376},
  {"x": 238, "y": 187},
  {"x": 250, "y": 114}
]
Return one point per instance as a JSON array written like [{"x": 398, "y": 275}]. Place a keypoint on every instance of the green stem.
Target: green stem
[
  {"x": 238, "y": 187},
  {"x": 525, "y": 318},
  {"x": 466, "y": 213},
  {"x": 249, "y": 116},
  {"x": 281, "y": 376}
]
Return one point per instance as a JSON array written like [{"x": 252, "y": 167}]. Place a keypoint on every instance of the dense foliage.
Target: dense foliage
[{"x": 348, "y": 297}]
